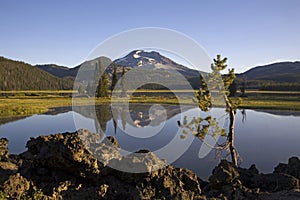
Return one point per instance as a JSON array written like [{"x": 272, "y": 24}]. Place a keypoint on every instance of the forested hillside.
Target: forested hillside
[
  {"x": 16, "y": 75},
  {"x": 276, "y": 76},
  {"x": 279, "y": 72}
]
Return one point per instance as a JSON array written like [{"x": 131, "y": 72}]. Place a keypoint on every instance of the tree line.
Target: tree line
[
  {"x": 268, "y": 85},
  {"x": 16, "y": 75},
  {"x": 102, "y": 85}
]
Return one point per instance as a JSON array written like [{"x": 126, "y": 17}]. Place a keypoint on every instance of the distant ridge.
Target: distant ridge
[
  {"x": 288, "y": 72},
  {"x": 277, "y": 72},
  {"x": 276, "y": 76},
  {"x": 136, "y": 58},
  {"x": 59, "y": 71}
]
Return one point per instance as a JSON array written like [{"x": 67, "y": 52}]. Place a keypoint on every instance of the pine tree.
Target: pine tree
[
  {"x": 114, "y": 79},
  {"x": 100, "y": 73},
  {"x": 102, "y": 89},
  {"x": 243, "y": 87},
  {"x": 103, "y": 116},
  {"x": 89, "y": 89},
  {"x": 123, "y": 92},
  {"x": 232, "y": 89},
  {"x": 200, "y": 126}
]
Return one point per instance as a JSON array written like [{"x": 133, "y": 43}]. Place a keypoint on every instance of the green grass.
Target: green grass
[
  {"x": 23, "y": 107},
  {"x": 16, "y": 92},
  {"x": 272, "y": 102},
  {"x": 29, "y": 105},
  {"x": 2, "y": 195}
]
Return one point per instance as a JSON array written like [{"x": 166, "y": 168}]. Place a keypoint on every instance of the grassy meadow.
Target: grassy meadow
[{"x": 24, "y": 103}]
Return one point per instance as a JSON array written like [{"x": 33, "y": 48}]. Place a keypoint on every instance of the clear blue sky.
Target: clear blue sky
[{"x": 249, "y": 32}]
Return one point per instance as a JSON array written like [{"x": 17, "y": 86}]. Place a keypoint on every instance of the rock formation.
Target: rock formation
[
  {"x": 61, "y": 166},
  {"x": 78, "y": 166},
  {"x": 3, "y": 149}
]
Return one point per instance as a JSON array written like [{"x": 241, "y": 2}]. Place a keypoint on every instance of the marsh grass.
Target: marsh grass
[{"x": 24, "y": 105}]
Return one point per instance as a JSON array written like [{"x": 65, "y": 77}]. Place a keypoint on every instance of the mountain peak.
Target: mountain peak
[{"x": 148, "y": 59}]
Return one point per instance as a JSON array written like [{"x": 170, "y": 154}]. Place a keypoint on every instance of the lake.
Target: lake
[{"x": 264, "y": 138}]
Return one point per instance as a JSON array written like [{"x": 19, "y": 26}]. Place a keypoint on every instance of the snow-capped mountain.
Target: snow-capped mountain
[
  {"x": 155, "y": 68},
  {"x": 154, "y": 60},
  {"x": 140, "y": 58}
]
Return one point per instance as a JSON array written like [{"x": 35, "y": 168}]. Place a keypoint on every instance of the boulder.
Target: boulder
[
  {"x": 231, "y": 182},
  {"x": 292, "y": 168},
  {"x": 63, "y": 152},
  {"x": 224, "y": 182},
  {"x": 3, "y": 149},
  {"x": 170, "y": 183},
  {"x": 103, "y": 151},
  {"x": 224, "y": 174},
  {"x": 77, "y": 166},
  {"x": 139, "y": 162},
  {"x": 82, "y": 165},
  {"x": 281, "y": 195},
  {"x": 246, "y": 176},
  {"x": 7, "y": 169},
  {"x": 157, "y": 181},
  {"x": 275, "y": 182}
]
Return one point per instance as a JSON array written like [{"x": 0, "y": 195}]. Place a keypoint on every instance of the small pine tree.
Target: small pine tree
[
  {"x": 243, "y": 87},
  {"x": 200, "y": 126},
  {"x": 81, "y": 89}
]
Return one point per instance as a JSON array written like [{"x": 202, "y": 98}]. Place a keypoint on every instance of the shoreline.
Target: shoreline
[{"x": 26, "y": 106}]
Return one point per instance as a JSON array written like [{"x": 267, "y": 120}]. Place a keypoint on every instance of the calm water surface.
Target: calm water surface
[{"x": 262, "y": 138}]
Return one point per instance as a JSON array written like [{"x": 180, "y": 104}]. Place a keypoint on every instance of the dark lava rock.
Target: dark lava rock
[
  {"x": 82, "y": 165},
  {"x": 7, "y": 169},
  {"x": 77, "y": 166},
  {"x": 103, "y": 151},
  {"x": 275, "y": 182},
  {"x": 63, "y": 152},
  {"x": 3, "y": 149},
  {"x": 281, "y": 195},
  {"x": 292, "y": 168},
  {"x": 225, "y": 183},
  {"x": 247, "y": 175},
  {"x": 223, "y": 174},
  {"x": 230, "y": 182},
  {"x": 138, "y": 163},
  {"x": 157, "y": 181}
]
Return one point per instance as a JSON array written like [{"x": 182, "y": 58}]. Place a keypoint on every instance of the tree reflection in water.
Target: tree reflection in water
[{"x": 136, "y": 115}]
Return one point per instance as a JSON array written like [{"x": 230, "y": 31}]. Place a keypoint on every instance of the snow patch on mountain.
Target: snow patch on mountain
[
  {"x": 136, "y": 55},
  {"x": 140, "y": 63}
]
